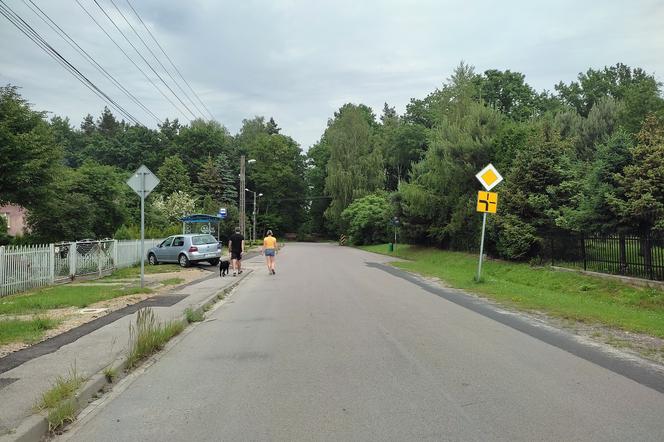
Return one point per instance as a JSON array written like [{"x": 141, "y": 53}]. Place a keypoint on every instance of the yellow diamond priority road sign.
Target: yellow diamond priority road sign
[
  {"x": 489, "y": 177},
  {"x": 487, "y": 201}
]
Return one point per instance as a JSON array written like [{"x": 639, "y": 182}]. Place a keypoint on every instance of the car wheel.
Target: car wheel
[
  {"x": 214, "y": 262},
  {"x": 183, "y": 260},
  {"x": 152, "y": 260}
]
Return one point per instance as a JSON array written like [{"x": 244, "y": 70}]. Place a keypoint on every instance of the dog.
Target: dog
[{"x": 223, "y": 267}]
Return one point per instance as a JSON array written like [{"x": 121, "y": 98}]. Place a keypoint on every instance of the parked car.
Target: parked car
[{"x": 185, "y": 249}]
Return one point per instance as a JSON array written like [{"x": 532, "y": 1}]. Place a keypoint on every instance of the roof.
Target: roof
[{"x": 201, "y": 218}]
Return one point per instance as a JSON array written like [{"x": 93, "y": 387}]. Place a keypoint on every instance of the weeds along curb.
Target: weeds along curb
[{"x": 35, "y": 428}]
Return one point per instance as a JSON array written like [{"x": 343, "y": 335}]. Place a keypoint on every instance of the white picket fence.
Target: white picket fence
[{"x": 26, "y": 267}]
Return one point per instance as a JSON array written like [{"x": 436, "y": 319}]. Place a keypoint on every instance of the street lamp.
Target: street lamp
[
  {"x": 242, "y": 199},
  {"x": 260, "y": 194}
]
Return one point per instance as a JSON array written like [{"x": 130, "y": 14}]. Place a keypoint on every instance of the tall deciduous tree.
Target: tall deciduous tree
[
  {"x": 173, "y": 176},
  {"x": 29, "y": 153},
  {"x": 355, "y": 165}
]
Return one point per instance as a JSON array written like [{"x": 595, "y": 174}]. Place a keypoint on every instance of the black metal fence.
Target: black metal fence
[{"x": 628, "y": 255}]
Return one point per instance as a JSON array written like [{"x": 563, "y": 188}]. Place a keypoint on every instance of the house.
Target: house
[{"x": 15, "y": 217}]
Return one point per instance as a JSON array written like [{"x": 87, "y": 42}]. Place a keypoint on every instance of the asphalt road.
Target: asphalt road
[{"x": 335, "y": 348}]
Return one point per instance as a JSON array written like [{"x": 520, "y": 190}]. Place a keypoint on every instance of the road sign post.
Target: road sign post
[
  {"x": 143, "y": 181},
  {"x": 487, "y": 202}
]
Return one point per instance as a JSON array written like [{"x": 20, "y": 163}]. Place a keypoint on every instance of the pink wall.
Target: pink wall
[{"x": 15, "y": 218}]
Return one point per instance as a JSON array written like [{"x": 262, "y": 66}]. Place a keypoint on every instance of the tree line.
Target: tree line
[
  {"x": 72, "y": 179},
  {"x": 585, "y": 157},
  {"x": 588, "y": 157}
]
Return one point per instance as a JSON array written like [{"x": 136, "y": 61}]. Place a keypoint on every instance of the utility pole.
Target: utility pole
[
  {"x": 242, "y": 196},
  {"x": 254, "y": 235}
]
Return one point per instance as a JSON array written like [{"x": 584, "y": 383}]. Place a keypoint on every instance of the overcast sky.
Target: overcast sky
[{"x": 299, "y": 61}]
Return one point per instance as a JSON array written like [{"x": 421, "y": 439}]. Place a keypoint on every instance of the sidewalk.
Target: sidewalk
[{"x": 20, "y": 387}]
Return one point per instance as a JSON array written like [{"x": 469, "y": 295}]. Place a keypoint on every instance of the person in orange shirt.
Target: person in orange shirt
[{"x": 270, "y": 248}]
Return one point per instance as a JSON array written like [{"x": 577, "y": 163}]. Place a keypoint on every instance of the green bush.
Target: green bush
[
  {"x": 367, "y": 219},
  {"x": 516, "y": 239}
]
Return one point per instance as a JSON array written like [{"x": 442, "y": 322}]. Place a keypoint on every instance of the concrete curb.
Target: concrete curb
[{"x": 35, "y": 427}]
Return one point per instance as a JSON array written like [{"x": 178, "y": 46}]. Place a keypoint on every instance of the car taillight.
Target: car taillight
[
  {"x": 219, "y": 245},
  {"x": 193, "y": 249}
]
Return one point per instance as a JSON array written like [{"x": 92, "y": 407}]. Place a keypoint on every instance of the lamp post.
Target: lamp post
[
  {"x": 260, "y": 194},
  {"x": 242, "y": 196}
]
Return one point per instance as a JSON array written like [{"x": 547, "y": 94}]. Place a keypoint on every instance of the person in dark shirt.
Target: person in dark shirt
[{"x": 236, "y": 249}]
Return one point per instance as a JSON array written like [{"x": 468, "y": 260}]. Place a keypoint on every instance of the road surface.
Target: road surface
[{"x": 334, "y": 347}]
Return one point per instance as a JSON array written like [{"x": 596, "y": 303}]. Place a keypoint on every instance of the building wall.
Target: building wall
[{"x": 15, "y": 216}]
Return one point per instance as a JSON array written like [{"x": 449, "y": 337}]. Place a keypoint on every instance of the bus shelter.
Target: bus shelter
[{"x": 201, "y": 223}]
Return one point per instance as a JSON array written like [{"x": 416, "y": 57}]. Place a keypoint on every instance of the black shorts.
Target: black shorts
[{"x": 236, "y": 255}]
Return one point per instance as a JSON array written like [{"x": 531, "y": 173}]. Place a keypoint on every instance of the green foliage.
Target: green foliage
[
  {"x": 642, "y": 180},
  {"x": 354, "y": 168},
  {"x": 639, "y": 91},
  {"x": 29, "y": 154},
  {"x": 173, "y": 176},
  {"x": 4, "y": 236},
  {"x": 366, "y": 219}
]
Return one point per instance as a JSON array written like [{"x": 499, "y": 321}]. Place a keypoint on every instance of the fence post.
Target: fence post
[
  {"x": 2, "y": 270},
  {"x": 72, "y": 260},
  {"x": 115, "y": 253},
  {"x": 51, "y": 263},
  {"x": 583, "y": 251},
  {"x": 99, "y": 253},
  {"x": 623, "y": 253},
  {"x": 647, "y": 257}
]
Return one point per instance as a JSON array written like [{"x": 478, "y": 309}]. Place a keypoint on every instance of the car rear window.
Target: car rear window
[{"x": 203, "y": 239}]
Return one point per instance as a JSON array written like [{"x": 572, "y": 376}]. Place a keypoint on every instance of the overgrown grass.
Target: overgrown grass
[
  {"x": 64, "y": 388},
  {"x": 28, "y": 331},
  {"x": 149, "y": 335},
  {"x": 135, "y": 272},
  {"x": 67, "y": 295},
  {"x": 192, "y": 315},
  {"x": 110, "y": 374},
  {"x": 172, "y": 281},
  {"x": 562, "y": 294},
  {"x": 63, "y": 413}
]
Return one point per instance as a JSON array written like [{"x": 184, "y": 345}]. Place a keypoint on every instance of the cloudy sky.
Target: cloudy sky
[{"x": 298, "y": 61}]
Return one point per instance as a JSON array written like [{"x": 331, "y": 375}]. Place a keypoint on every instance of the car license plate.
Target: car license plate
[{"x": 210, "y": 255}]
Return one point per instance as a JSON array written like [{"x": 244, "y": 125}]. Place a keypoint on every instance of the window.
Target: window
[
  {"x": 203, "y": 239},
  {"x": 167, "y": 242},
  {"x": 178, "y": 241}
]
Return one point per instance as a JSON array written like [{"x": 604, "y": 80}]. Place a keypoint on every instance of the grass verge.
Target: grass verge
[
  {"x": 149, "y": 335},
  {"x": 67, "y": 295},
  {"x": 31, "y": 330},
  {"x": 172, "y": 281},
  {"x": 567, "y": 295}
]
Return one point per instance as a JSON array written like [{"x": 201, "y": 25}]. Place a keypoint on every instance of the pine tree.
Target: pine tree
[
  {"x": 272, "y": 127},
  {"x": 228, "y": 189},
  {"x": 209, "y": 180}
]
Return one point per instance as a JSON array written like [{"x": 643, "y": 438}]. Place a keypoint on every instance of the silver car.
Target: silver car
[{"x": 185, "y": 249}]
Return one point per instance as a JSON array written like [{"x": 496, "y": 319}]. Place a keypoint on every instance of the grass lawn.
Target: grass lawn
[
  {"x": 67, "y": 295},
  {"x": 566, "y": 295},
  {"x": 14, "y": 330},
  {"x": 135, "y": 272}
]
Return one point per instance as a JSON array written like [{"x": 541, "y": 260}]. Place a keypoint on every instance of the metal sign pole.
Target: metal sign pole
[
  {"x": 479, "y": 267},
  {"x": 142, "y": 229}
]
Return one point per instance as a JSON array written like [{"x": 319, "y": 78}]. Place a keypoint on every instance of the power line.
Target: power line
[
  {"x": 157, "y": 59},
  {"x": 53, "y": 25},
  {"x": 132, "y": 60},
  {"x": 170, "y": 61},
  {"x": 36, "y": 38},
  {"x": 143, "y": 58}
]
